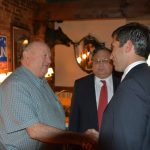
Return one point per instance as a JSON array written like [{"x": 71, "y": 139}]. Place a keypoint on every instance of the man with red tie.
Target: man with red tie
[{"x": 93, "y": 92}]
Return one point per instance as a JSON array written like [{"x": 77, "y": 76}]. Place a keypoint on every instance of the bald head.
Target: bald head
[
  {"x": 37, "y": 58},
  {"x": 33, "y": 46}
]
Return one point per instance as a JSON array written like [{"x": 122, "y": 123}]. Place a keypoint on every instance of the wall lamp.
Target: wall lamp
[
  {"x": 3, "y": 76},
  {"x": 83, "y": 52}
]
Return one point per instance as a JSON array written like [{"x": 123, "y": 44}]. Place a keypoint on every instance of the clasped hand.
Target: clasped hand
[{"x": 91, "y": 139}]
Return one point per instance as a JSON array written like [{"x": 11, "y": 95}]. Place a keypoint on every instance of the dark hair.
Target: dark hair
[
  {"x": 99, "y": 48},
  {"x": 138, "y": 34}
]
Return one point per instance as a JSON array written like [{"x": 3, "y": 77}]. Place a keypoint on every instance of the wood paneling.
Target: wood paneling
[{"x": 96, "y": 9}]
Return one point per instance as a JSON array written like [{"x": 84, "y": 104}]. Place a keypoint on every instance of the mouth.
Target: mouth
[
  {"x": 113, "y": 62},
  {"x": 47, "y": 66}
]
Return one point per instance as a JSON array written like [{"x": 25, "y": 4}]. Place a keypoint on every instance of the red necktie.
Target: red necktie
[{"x": 102, "y": 102}]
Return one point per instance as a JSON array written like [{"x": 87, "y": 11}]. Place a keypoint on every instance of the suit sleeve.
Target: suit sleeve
[
  {"x": 74, "y": 114},
  {"x": 130, "y": 117}
]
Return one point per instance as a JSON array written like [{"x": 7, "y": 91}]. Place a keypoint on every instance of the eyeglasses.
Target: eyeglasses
[{"x": 101, "y": 61}]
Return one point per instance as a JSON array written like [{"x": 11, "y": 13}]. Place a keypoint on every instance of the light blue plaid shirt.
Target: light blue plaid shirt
[{"x": 26, "y": 100}]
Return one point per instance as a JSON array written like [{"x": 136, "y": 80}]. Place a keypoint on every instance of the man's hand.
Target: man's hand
[
  {"x": 92, "y": 133},
  {"x": 92, "y": 137}
]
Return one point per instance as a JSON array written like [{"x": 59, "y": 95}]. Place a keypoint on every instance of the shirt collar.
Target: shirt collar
[
  {"x": 130, "y": 67},
  {"x": 38, "y": 81},
  {"x": 108, "y": 79}
]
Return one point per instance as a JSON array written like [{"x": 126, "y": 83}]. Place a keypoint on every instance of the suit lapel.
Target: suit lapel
[
  {"x": 116, "y": 81},
  {"x": 92, "y": 99}
]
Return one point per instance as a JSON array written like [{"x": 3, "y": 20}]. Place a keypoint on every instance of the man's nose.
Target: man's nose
[
  {"x": 49, "y": 60},
  {"x": 111, "y": 56}
]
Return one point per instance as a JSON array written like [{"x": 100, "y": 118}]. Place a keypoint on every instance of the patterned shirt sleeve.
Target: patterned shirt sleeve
[{"x": 19, "y": 110}]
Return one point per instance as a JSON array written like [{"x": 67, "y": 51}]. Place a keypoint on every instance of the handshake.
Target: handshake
[
  {"x": 90, "y": 139},
  {"x": 87, "y": 140}
]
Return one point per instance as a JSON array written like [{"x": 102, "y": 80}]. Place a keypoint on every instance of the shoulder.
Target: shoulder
[
  {"x": 84, "y": 82},
  {"x": 16, "y": 80},
  {"x": 140, "y": 73},
  {"x": 89, "y": 77}
]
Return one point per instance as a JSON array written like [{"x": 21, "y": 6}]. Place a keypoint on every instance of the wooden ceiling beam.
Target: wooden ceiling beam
[{"x": 93, "y": 10}]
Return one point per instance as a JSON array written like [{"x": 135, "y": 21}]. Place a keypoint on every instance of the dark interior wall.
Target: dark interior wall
[
  {"x": 96, "y": 9},
  {"x": 14, "y": 13}
]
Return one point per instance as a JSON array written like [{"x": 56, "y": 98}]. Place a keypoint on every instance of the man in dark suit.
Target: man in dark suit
[
  {"x": 126, "y": 120},
  {"x": 86, "y": 93}
]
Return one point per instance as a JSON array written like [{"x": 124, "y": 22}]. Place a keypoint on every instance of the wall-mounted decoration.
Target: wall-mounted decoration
[
  {"x": 83, "y": 52},
  {"x": 21, "y": 38},
  {"x": 56, "y": 36},
  {"x": 3, "y": 54}
]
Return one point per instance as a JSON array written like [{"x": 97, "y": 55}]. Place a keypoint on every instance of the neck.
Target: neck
[{"x": 135, "y": 59}]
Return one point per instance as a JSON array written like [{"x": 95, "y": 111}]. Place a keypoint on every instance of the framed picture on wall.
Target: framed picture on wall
[
  {"x": 3, "y": 54},
  {"x": 21, "y": 38}
]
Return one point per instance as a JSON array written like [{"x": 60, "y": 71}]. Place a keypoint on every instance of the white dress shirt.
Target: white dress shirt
[
  {"x": 130, "y": 67},
  {"x": 98, "y": 85}
]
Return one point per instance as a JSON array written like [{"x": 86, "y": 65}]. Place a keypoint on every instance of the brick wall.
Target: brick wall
[{"x": 14, "y": 13}]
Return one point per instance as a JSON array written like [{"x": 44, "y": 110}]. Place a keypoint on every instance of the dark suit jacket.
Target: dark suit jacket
[
  {"x": 83, "y": 108},
  {"x": 126, "y": 120}
]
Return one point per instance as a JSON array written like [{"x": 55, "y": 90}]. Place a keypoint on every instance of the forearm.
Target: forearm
[
  {"x": 49, "y": 134},
  {"x": 43, "y": 133}
]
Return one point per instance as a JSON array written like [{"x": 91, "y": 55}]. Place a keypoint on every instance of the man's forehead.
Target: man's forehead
[
  {"x": 103, "y": 52},
  {"x": 102, "y": 56}
]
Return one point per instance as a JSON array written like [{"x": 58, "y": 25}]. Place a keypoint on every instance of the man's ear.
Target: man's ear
[
  {"x": 25, "y": 55},
  {"x": 128, "y": 46}
]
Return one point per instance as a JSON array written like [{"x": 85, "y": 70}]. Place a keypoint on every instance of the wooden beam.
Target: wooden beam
[{"x": 93, "y": 10}]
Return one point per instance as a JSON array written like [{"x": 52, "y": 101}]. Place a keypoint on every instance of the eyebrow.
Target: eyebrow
[{"x": 97, "y": 59}]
